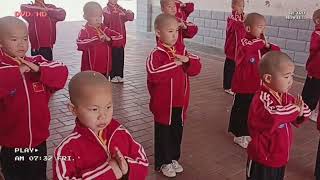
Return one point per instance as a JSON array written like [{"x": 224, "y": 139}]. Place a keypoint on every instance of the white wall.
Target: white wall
[{"x": 277, "y": 7}]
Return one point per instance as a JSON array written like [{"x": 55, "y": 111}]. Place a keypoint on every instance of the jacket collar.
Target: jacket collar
[
  {"x": 250, "y": 36},
  {"x": 102, "y": 136},
  {"x": 280, "y": 97},
  {"x": 170, "y": 50},
  {"x": 7, "y": 59}
]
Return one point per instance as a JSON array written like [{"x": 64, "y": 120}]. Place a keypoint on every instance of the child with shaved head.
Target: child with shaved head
[
  {"x": 186, "y": 29},
  {"x": 235, "y": 31},
  {"x": 169, "y": 69},
  {"x": 271, "y": 114},
  {"x": 96, "y": 40},
  {"x": 311, "y": 89},
  {"x": 115, "y": 17},
  {"x": 42, "y": 26},
  {"x": 246, "y": 81},
  {"x": 99, "y": 147},
  {"x": 27, "y": 83}
]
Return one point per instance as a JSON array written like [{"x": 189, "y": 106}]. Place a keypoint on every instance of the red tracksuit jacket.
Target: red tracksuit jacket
[
  {"x": 168, "y": 84},
  {"x": 97, "y": 55},
  {"x": 24, "y": 98},
  {"x": 42, "y": 30},
  {"x": 269, "y": 124},
  {"x": 115, "y": 17},
  {"x": 88, "y": 155},
  {"x": 184, "y": 12},
  {"x": 234, "y": 32},
  {"x": 246, "y": 78},
  {"x": 313, "y": 63}
]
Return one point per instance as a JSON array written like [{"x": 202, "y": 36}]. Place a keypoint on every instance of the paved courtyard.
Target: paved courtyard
[{"x": 208, "y": 152}]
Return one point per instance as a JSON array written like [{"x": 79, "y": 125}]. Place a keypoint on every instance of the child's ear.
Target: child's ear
[
  {"x": 84, "y": 17},
  {"x": 157, "y": 31},
  {"x": 72, "y": 109},
  {"x": 248, "y": 28},
  {"x": 266, "y": 78}
]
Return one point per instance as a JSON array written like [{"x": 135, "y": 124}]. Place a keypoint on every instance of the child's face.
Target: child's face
[
  {"x": 94, "y": 18},
  {"x": 239, "y": 7},
  {"x": 113, "y": 1},
  {"x": 169, "y": 8},
  {"x": 95, "y": 108},
  {"x": 281, "y": 81},
  {"x": 39, "y": 1},
  {"x": 257, "y": 28},
  {"x": 169, "y": 33},
  {"x": 15, "y": 42}
]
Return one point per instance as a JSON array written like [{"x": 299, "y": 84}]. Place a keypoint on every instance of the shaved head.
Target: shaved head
[
  {"x": 10, "y": 23},
  {"x": 253, "y": 18},
  {"x": 83, "y": 84},
  {"x": 90, "y": 7},
  {"x": 163, "y": 19},
  {"x": 273, "y": 61},
  {"x": 316, "y": 16},
  {"x": 165, "y": 2}
]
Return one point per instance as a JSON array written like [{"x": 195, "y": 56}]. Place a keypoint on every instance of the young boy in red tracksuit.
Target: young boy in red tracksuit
[
  {"x": 184, "y": 9},
  {"x": 235, "y": 29},
  {"x": 100, "y": 147},
  {"x": 271, "y": 114},
  {"x": 95, "y": 41},
  {"x": 311, "y": 89},
  {"x": 115, "y": 18},
  {"x": 169, "y": 67},
  {"x": 27, "y": 84},
  {"x": 246, "y": 79},
  {"x": 186, "y": 29},
  {"x": 42, "y": 26}
]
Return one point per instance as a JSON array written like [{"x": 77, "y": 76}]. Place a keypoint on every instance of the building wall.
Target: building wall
[{"x": 293, "y": 36}]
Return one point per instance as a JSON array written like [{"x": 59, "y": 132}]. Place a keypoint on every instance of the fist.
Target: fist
[{"x": 24, "y": 68}]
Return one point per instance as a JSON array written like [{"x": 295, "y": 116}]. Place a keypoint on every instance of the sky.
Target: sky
[{"x": 72, "y": 7}]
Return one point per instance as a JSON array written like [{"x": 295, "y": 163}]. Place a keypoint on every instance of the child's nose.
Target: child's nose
[{"x": 102, "y": 115}]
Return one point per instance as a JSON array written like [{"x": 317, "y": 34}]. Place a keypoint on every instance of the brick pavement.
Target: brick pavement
[{"x": 208, "y": 152}]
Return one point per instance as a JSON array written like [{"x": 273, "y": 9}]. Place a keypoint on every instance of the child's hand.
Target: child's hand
[
  {"x": 129, "y": 11},
  {"x": 181, "y": 58},
  {"x": 123, "y": 165},
  {"x": 32, "y": 66},
  {"x": 299, "y": 102},
  {"x": 24, "y": 68},
  {"x": 115, "y": 168},
  {"x": 183, "y": 4},
  {"x": 178, "y": 63},
  {"x": 182, "y": 25},
  {"x": 43, "y": 6},
  {"x": 267, "y": 44},
  {"x": 105, "y": 38}
]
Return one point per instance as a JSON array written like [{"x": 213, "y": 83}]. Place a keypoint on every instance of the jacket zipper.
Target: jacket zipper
[
  {"x": 29, "y": 108},
  {"x": 287, "y": 131},
  {"x": 103, "y": 146},
  {"x": 171, "y": 95},
  {"x": 185, "y": 93}
]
